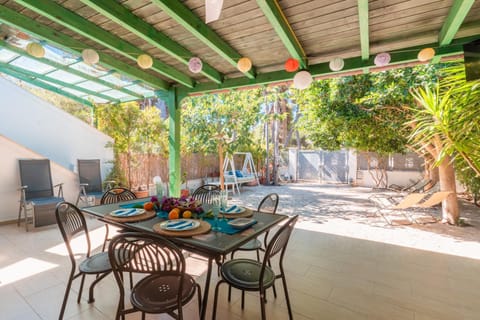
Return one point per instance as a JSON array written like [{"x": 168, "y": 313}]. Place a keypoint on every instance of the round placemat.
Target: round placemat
[
  {"x": 203, "y": 228},
  {"x": 245, "y": 214},
  {"x": 144, "y": 216}
]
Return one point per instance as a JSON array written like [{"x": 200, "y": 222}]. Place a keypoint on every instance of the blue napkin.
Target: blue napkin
[
  {"x": 225, "y": 227},
  {"x": 234, "y": 209},
  {"x": 124, "y": 212},
  {"x": 132, "y": 205}
]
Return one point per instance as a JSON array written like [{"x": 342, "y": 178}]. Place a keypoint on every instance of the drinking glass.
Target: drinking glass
[{"x": 215, "y": 210}]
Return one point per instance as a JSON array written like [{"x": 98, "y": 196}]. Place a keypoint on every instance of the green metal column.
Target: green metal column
[{"x": 173, "y": 98}]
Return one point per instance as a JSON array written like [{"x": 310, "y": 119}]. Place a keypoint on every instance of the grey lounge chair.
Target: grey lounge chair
[
  {"x": 37, "y": 192},
  {"x": 90, "y": 178}
]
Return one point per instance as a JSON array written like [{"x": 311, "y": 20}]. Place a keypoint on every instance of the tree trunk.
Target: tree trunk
[
  {"x": 220, "y": 165},
  {"x": 450, "y": 211}
]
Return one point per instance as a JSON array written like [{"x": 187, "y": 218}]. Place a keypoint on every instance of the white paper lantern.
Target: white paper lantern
[
  {"x": 90, "y": 56},
  {"x": 144, "y": 61},
  {"x": 213, "y": 9},
  {"x": 195, "y": 65},
  {"x": 336, "y": 64},
  {"x": 382, "y": 59},
  {"x": 302, "y": 80},
  {"x": 36, "y": 50}
]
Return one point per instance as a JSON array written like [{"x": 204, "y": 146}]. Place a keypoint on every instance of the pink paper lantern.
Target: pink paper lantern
[
  {"x": 195, "y": 65},
  {"x": 382, "y": 59}
]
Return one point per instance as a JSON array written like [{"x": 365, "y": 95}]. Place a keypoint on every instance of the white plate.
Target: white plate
[
  {"x": 233, "y": 210},
  {"x": 241, "y": 223},
  {"x": 125, "y": 213},
  {"x": 180, "y": 224}
]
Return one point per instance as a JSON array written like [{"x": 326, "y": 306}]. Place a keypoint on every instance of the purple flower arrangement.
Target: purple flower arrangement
[{"x": 184, "y": 203}]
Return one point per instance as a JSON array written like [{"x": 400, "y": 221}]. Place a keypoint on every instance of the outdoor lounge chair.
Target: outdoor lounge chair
[
  {"x": 37, "y": 192},
  {"x": 90, "y": 178}
]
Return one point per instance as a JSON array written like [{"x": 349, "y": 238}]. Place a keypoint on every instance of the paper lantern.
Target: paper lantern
[
  {"x": 36, "y": 50},
  {"x": 426, "y": 54},
  {"x": 244, "y": 64},
  {"x": 90, "y": 56},
  {"x": 302, "y": 80},
  {"x": 213, "y": 8},
  {"x": 336, "y": 64},
  {"x": 291, "y": 65},
  {"x": 144, "y": 61},
  {"x": 195, "y": 65},
  {"x": 382, "y": 59}
]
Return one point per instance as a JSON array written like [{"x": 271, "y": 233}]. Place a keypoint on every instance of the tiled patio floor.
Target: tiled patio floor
[{"x": 341, "y": 263}]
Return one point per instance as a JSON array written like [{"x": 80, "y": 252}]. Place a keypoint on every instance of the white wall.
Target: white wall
[
  {"x": 401, "y": 178},
  {"x": 34, "y": 123}
]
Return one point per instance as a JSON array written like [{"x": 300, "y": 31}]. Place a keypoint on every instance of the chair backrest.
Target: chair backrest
[
  {"x": 269, "y": 203},
  {"x": 410, "y": 200},
  {"x": 89, "y": 173},
  {"x": 206, "y": 193},
  {"x": 36, "y": 174},
  {"x": 435, "y": 198},
  {"x": 117, "y": 194},
  {"x": 71, "y": 222}
]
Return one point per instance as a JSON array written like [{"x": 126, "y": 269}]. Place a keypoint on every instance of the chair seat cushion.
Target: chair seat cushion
[
  {"x": 251, "y": 245},
  {"x": 97, "y": 263},
  {"x": 43, "y": 201},
  {"x": 245, "y": 274},
  {"x": 158, "y": 293}
]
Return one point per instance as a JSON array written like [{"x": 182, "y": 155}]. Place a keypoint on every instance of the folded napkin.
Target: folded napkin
[
  {"x": 125, "y": 212},
  {"x": 234, "y": 209}
]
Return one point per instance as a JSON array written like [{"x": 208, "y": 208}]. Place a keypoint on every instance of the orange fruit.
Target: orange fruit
[
  {"x": 174, "y": 214},
  {"x": 148, "y": 206},
  {"x": 187, "y": 214}
]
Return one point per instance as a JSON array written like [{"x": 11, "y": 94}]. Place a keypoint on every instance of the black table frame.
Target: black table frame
[{"x": 214, "y": 248}]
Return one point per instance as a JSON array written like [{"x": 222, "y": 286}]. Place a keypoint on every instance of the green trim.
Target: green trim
[
  {"x": 32, "y": 74},
  {"x": 122, "y": 16},
  {"x": 66, "y": 68},
  {"x": 454, "y": 20},
  {"x": 84, "y": 27},
  {"x": 46, "y": 86},
  {"x": 364, "y": 32},
  {"x": 69, "y": 44},
  {"x": 186, "y": 18},
  {"x": 353, "y": 64},
  {"x": 272, "y": 11}
]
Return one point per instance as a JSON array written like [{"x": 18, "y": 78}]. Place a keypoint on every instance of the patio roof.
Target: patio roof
[{"x": 266, "y": 31}]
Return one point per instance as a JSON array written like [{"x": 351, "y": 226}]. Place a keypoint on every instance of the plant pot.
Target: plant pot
[{"x": 141, "y": 193}]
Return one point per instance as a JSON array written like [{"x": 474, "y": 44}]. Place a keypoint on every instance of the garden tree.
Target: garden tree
[
  {"x": 121, "y": 122},
  {"x": 364, "y": 112},
  {"x": 446, "y": 126},
  {"x": 220, "y": 123}
]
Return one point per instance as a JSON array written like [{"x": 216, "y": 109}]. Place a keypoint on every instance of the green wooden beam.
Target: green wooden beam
[
  {"x": 45, "y": 86},
  {"x": 272, "y": 11},
  {"x": 78, "y": 24},
  {"x": 125, "y": 18},
  {"x": 404, "y": 55},
  {"x": 454, "y": 20},
  {"x": 66, "y": 68},
  {"x": 186, "y": 18},
  {"x": 69, "y": 44},
  {"x": 364, "y": 33},
  {"x": 40, "y": 76}
]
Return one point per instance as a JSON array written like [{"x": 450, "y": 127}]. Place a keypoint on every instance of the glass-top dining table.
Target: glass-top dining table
[{"x": 213, "y": 245}]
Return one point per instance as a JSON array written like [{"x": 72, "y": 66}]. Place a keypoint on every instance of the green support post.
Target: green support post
[{"x": 173, "y": 98}]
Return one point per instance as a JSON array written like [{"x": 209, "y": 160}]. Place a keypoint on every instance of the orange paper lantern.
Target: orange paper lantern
[
  {"x": 36, "y": 50},
  {"x": 291, "y": 65},
  {"x": 90, "y": 56},
  {"x": 244, "y": 64},
  {"x": 426, "y": 54},
  {"x": 144, "y": 61}
]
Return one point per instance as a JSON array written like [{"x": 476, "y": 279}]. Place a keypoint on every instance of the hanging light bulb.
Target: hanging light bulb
[
  {"x": 244, "y": 64},
  {"x": 302, "y": 80},
  {"x": 36, "y": 50},
  {"x": 426, "y": 54},
  {"x": 213, "y": 9},
  {"x": 382, "y": 59},
  {"x": 90, "y": 56},
  {"x": 195, "y": 65},
  {"x": 336, "y": 64},
  {"x": 144, "y": 61}
]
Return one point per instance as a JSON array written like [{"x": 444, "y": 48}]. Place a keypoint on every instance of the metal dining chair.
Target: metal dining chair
[
  {"x": 165, "y": 287},
  {"x": 206, "y": 193},
  {"x": 71, "y": 223},
  {"x": 115, "y": 195},
  {"x": 252, "y": 275}
]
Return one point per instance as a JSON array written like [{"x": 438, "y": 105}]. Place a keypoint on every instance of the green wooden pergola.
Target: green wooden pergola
[{"x": 173, "y": 31}]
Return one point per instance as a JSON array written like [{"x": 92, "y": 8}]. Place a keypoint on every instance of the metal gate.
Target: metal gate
[{"x": 326, "y": 166}]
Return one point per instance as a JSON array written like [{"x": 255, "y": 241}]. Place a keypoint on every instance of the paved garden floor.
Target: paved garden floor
[{"x": 343, "y": 262}]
